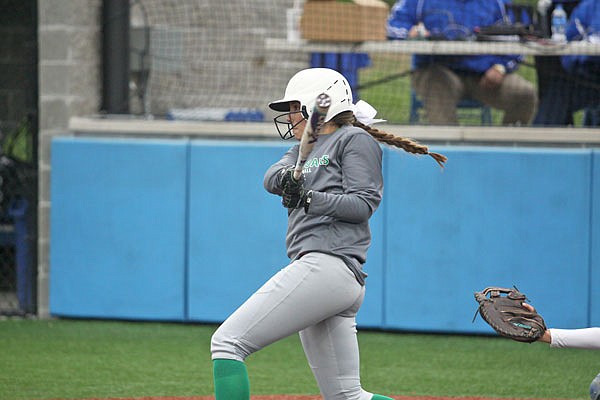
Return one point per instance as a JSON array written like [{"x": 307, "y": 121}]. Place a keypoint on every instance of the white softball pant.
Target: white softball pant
[{"x": 317, "y": 296}]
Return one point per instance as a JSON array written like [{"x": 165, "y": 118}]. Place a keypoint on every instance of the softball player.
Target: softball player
[
  {"x": 320, "y": 292},
  {"x": 584, "y": 338}
]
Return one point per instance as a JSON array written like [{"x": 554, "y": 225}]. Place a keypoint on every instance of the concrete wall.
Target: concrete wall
[
  {"x": 213, "y": 54},
  {"x": 70, "y": 67},
  {"x": 69, "y": 85}
]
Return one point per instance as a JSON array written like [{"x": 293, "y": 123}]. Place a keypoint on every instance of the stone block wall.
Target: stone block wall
[
  {"x": 69, "y": 40},
  {"x": 230, "y": 68}
]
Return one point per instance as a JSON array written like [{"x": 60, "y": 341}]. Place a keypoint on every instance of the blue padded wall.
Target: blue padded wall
[
  {"x": 180, "y": 230},
  {"x": 236, "y": 228},
  {"x": 595, "y": 245},
  {"x": 492, "y": 217},
  {"x": 117, "y": 228}
]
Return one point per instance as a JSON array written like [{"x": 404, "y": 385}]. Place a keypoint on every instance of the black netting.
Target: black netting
[{"x": 18, "y": 187}]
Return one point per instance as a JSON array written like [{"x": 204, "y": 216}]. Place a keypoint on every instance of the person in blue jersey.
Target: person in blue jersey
[
  {"x": 441, "y": 81},
  {"x": 577, "y": 86}
]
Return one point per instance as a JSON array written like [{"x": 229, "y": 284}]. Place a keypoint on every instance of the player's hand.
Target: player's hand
[
  {"x": 418, "y": 32},
  {"x": 491, "y": 79},
  {"x": 529, "y": 307},
  {"x": 300, "y": 200},
  {"x": 293, "y": 193},
  {"x": 288, "y": 184},
  {"x": 546, "y": 337},
  {"x": 294, "y": 200}
]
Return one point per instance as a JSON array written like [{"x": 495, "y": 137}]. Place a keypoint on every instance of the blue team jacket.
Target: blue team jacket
[
  {"x": 587, "y": 12},
  {"x": 455, "y": 20}
]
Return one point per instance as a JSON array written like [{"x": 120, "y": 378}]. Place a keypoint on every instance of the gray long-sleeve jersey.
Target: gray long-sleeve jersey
[{"x": 344, "y": 173}]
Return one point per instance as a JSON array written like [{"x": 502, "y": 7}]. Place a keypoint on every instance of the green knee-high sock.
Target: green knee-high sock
[
  {"x": 231, "y": 380},
  {"x": 380, "y": 397}
]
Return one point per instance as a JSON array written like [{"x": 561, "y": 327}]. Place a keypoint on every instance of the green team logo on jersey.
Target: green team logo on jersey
[{"x": 316, "y": 162}]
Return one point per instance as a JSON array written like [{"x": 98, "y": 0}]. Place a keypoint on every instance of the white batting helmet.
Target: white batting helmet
[{"x": 306, "y": 85}]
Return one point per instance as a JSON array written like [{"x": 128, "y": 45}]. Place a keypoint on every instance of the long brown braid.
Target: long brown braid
[{"x": 408, "y": 145}]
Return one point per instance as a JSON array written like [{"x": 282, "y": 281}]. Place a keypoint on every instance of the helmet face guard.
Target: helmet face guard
[
  {"x": 304, "y": 87},
  {"x": 284, "y": 126}
]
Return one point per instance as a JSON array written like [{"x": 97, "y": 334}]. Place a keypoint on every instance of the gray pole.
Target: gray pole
[{"x": 115, "y": 56}]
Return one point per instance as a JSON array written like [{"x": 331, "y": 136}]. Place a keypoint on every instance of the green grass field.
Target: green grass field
[{"x": 102, "y": 359}]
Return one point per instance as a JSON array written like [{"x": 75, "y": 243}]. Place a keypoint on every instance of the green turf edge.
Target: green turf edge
[{"x": 74, "y": 359}]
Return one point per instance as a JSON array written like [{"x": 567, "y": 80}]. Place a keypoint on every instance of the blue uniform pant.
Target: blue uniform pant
[{"x": 563, "y": 95}]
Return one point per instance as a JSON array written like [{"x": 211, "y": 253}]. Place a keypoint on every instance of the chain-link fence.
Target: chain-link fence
[{"x": 18, "y": 188}]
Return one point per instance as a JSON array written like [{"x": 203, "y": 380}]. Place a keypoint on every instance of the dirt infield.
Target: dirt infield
[{"x": 299, "y": 397}]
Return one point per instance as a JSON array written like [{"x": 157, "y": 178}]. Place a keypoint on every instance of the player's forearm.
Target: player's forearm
[
  {"x": 586, "y": 338},
  {"x": 546, "y": 337},
  {"x": 351, "y": 208}
]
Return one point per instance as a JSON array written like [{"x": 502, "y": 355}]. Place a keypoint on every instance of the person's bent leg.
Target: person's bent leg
[
  {"x": 331, "y": 347},
  {"x": 231, "y": 380},
  {"x": 554, "y": 108},
  {"x": 332, "y": 351},
  {"x": 307, "y": 291},
  {"x": 516, "y": 96},
  {"x": 440, "y": 89}
]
